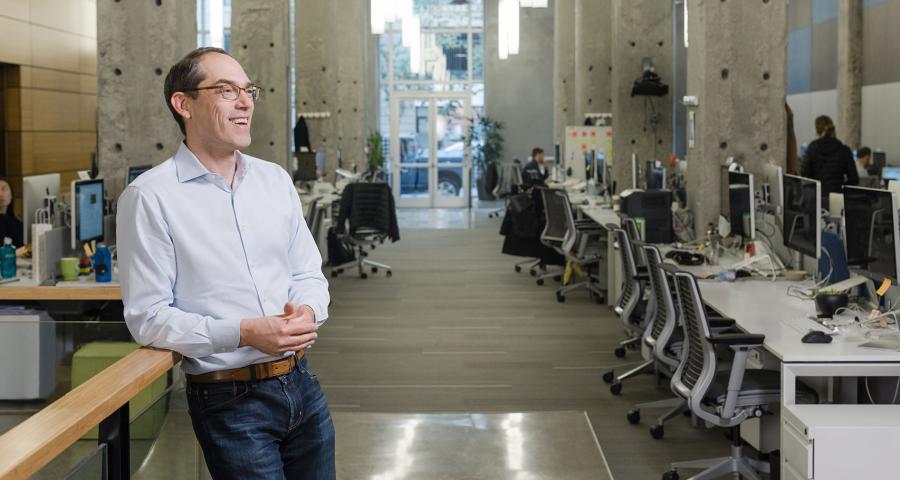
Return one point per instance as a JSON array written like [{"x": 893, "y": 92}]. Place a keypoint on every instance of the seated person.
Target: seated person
[
  {"x": 536, "y": 173},
  {"x": 10, "y": 225},
  {"x": 863, "y": 158}
]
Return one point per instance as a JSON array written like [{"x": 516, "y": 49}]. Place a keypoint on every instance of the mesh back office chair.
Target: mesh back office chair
[
  {"x": 553, "y": 234},
  {"x": 578, "y": 243},
  {"x": 508, "y": 181},
  {"x": 640, "y": 259},
  {"x": 370, "y": 217},
  {"x": 722, "y": 397},
  {"x": 311, "y": 210},
  {"x": 632, "y": 306}
]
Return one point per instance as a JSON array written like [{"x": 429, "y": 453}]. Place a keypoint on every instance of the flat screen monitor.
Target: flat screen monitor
[
  {"x": 773, "y": 178},
  {"x": 136, "y": 171},
  {"x": 890, "y": 173},
  {"x": 655, "y": 176},
  {"x": 741, "y": 211},
  {"x": 306, "y": 167},
  {"x": 802, "y": 219},
  {"x": 87, "y": 211},
  {"x": 879, "y": 161},
  {"x": 872, "y": 230},
  {"x": 34, "y": 190},
  {"x": 588, "y": 165},
  {"x": 600, "y": 168}
]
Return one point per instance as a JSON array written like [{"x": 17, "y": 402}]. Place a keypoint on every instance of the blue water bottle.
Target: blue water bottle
[
  {"x": 7, "y": 259},
  {"x": 102, "y": 264}
]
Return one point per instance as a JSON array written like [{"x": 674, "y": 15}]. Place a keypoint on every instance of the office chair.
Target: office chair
[
  {"x": 311, "y": 210},
  {"x": 552, "y": 237},
  {"x": 372, "y": 219},
  {"x": 579, "y": 243},
  {"x": 631, "y": 306},
  {"x": 315, "y": 221},
  {"x": 510, "y": 178},
  {"x": 640, "y": 259},
  {"x": 722, "y": 397}
]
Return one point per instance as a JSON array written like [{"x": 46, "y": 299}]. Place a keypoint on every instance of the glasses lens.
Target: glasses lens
[{"x": 229, "y": 92}]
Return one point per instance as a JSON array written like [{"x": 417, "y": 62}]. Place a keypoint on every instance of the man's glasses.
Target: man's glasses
[{"x": 231, "y": 92}]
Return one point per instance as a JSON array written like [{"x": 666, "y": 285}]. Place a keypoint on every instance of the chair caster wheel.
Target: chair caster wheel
[
  {"x": 374, "y": 269},
  {"x": 609, "y": 376},
  {"x": 363, "y": 275},
  {"x": 557, "y": 278},
  {"x": 634, "y": 417},
  {"x": 334, "y": 273},
  {"x": 619, "y": 352},
  {"x": 671, "y": 475},
  {"x": 388, "y": 274},
  {"x": 532, "y": 272},
  {"x": 518, "y": 269},
  {"x": 615, "y": 388},
  {"x": 364, "y": 254},
  {"x": 560, "y": 298},
  {"x": 657, "y": 432},
  {"x": 540, "y": 281},
  {"x": 373, "y": 247}
]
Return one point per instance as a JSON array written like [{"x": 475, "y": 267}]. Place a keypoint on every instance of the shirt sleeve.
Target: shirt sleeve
[
  {"x": 308, "y": 284},
  {"x": 147, "y": 273}
]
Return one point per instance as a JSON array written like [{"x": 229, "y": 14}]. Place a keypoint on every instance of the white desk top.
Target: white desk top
[
  {"x": 843, "y": 416},
  {"x": 763, "y": 306},
  {"x": 601, "y": 214}
]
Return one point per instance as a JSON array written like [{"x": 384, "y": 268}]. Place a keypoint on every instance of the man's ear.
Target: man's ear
[{"x": 180, "y": 103}]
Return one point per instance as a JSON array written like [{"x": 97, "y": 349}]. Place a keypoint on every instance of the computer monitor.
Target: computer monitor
[
  {"x": 741, "y": 211},
  {"x": 872, "y": 231},
  {"x": 634, "y": 170},
  {"x": 34, "y": 190},
  {"x": 87, "y": 211},
  {"x": 588, "y": 165},
  {"x": 773, "y": 177},
  {"x": 879, "y": 161},
  {"x": 306, "y": 167},
  {"x": 654, "y": 176},
  {"x": 600, "y": 168},
  {"x": 802, "y": 219},
  {"x": 136, "y": 171},
  {"x": 890, "y": 173}
]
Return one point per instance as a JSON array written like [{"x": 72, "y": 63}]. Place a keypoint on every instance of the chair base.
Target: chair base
[
  {"x": 361, "y": 263},
  {"x": 736, "y": 464}
]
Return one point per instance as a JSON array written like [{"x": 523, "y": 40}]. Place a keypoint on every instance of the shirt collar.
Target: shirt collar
[{"x": 189, "y": 167}]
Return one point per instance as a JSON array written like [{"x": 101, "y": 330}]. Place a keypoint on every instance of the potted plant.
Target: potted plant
[
  {"x": 375, "y": 152},
  {"x": 828, "y": 301},
  {"x": 486, "y": 143}
]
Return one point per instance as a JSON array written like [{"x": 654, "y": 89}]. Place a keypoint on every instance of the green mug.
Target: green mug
[{"x": 68, "y": 266}]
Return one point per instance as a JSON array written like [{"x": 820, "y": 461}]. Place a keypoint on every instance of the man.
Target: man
[
  {"x": 863, "y": 158},
  {"x": 828, "y": 160},
  {"x": 216, "y": 263},
  {"x": 535, "y": 172}
]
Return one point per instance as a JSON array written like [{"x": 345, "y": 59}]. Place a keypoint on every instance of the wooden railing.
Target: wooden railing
[{"x": 102, "y": 400}]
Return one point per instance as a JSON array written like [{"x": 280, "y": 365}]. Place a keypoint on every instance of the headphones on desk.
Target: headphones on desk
[{"x": 683, "y": 257}]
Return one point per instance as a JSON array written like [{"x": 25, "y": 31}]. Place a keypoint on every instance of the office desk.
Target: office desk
[
  {"x": 27, "y": 289},
  {"x": 605, "y": 215},
  {"x": 762, "y": 306}
]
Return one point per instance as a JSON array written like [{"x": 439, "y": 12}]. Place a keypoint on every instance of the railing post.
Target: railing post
[{"x": 114, "y": 433}]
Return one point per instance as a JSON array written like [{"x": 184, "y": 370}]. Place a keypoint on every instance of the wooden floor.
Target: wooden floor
[{"x": 457, "y": 330}]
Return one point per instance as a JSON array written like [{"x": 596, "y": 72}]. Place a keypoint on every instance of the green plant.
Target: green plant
[
  {"x": 486, "y": 142},
  {"x": 374, "y": 144}
]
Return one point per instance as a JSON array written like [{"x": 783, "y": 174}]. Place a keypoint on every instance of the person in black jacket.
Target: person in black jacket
[
  {"x": 10, "y": 225},
  {"x": 829, "y": 161},
  {"x": 535, "y": 172}
]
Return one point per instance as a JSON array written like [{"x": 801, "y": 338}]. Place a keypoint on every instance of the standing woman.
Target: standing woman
[
  {"x": 10, "y": 226},
  {"x": 829, "y": 161}
]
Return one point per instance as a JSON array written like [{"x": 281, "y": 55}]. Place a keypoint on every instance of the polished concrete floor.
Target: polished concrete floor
[{"x": 457, "y": 367}]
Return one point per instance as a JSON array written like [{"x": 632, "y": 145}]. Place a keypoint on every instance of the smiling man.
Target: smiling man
[{"x": 217, "y": 263}]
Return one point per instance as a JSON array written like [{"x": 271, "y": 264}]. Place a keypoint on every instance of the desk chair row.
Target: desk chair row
[{"x": 705, "y": 359}]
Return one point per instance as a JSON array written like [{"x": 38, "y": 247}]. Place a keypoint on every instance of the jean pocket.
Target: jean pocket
[{"x": 216, "y": 396}]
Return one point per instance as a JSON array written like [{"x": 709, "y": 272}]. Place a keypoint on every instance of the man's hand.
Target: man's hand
[{"x": 292, "y": 331}]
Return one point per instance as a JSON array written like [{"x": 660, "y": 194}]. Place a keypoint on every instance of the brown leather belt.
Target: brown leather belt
[{"x": 259, "y": 371}]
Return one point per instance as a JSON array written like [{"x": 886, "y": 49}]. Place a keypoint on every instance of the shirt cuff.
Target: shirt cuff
[
  {"x": 320, "y": 313},
  {"x": 225, "y": 334}
]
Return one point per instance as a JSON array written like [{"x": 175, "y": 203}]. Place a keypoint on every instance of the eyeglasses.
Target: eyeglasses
[{"x": 231, "y": 92}]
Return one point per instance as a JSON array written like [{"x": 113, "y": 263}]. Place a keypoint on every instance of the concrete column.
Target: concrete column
[
  {"x": 137, "y": 43},
  {"x": 736, "y": 61},
  {"x": 333, "y": 61},
  {"x": 593, "y": 57},
  {"x": 563, "y": 69},
  {"x": 849, "y": 77},
  {"x": 641, "y": 125},
  {"x": 260, "y": 41}
]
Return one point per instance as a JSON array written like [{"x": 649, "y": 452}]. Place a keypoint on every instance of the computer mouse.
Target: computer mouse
[
  {"x": 816, "y": 336},
  {"x": 585, "y": 202},
  {"x": 742, "y": 274}
]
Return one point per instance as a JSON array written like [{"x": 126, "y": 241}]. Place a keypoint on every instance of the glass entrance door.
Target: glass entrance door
[{"x": 430, "y": 162}]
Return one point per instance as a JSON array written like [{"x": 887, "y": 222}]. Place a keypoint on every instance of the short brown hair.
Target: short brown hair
[
  {"x": 824, "y": 126},
  {"x": 536, "y": 151},
  {"x": 184, "y": 76}
]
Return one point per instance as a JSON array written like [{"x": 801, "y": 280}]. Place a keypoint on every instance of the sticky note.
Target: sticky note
[{"x": 884, "y": 287}]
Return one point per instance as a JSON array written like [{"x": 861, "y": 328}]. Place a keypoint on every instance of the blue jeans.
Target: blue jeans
[{"x": 278, "y": 428}]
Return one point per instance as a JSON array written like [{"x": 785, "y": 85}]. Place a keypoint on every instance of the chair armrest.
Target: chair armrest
[
  {"x": 737, "y": 339},
  {"x": 721, "y": 322}
]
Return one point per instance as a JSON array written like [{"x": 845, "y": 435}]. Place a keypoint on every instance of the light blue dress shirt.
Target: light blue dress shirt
[{"x": 197, "y": 256}]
